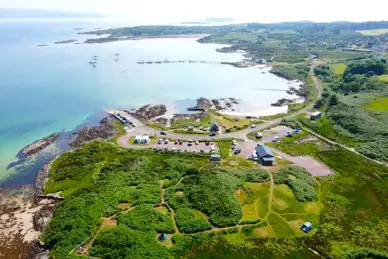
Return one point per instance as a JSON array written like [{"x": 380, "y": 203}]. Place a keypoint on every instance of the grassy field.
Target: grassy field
[
  {"x": 384, "y": 78},
  {"x": 299, "y": 144},
  {"x": 150, "y": 193},
  {"x": 325, "y": 128},
  {"x": 338, "y": 68},
  {"x": 378, "y": 105},
  {"x": 373, "y": 32}
]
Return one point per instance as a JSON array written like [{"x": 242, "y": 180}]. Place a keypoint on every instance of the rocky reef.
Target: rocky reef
[
  {"x": 148, "y": 112},
  {"x": 38, "y": 145},
  {"x": 105, "y": 130}
]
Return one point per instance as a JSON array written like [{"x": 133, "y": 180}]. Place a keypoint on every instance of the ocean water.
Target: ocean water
[{"x": 54, "y": 88}]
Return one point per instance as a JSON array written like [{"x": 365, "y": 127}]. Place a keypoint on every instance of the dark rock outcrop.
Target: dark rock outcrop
[
  {"x": 105, "y": 130},
  {"x": 148, "y": 112},
  {"x": 38, "y": 145}
]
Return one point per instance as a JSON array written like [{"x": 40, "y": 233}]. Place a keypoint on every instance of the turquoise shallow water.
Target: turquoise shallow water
[{"x": 53, "y": 88}]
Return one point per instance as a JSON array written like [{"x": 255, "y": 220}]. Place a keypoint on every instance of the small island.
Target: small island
[{"x": 65, "y": 41}]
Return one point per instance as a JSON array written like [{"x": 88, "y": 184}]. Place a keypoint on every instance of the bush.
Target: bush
[
  {"x": 361, "y": 253},
  {"x": 213, "y": 193},
  {"x": 146, "y": 218},
  {"x": 302, "y": 183},
  {"x": 122, "y": 241},
  {"x": 256, "y": 175},
  {"x": 189, "y": 222}
]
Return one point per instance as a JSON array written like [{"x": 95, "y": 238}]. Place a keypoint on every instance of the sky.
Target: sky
[{"x": 166, "y": 11}]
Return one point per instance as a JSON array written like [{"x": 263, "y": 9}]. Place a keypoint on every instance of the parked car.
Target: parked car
[
  {"x": 207, "y": 143},
  {"x": 179, "y": 150},
  {"x": 258, "y": 135},
  {"x": 202, "y": 151},
  {"x": 197, "y": 142},
  {"x": 254, "y": 156},
  {"x": 163, "y": 133},
  {"x": 253, "y": 126},
  {"x": 166, "y": 141},
  {"x": 212, "y": 134},
  {"x": 288, "y": 134},
  {"x": 160, "y": 141},
  {"x": 180, "y": 142},
  {"x": 276, "y": 139},
  {"x": 190, "y": 143},
  {"x": 237, "y": 151},
  {"x": 234, "y": 142},
  {"x": 173, "y": 149},
  {"x": 175, "y": 142}
]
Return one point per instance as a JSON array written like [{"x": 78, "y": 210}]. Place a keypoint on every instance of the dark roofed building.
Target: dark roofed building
[{"x": 265, "y": 155}]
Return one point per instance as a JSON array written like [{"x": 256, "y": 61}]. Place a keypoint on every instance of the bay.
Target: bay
[{"x": 54, "y": 89}]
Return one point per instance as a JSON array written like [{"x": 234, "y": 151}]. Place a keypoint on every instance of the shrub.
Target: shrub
[
  {"x": 302, "y": 183},
  {"x": 189, "y": 222},
  {"x": 122, "y": 241},
  {"x": 146, "y": 218},
  {"x": 213, "y": 193},
  {"x": 256, "y": 175}
]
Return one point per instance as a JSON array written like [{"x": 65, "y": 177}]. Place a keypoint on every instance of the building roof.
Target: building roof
[
  {"x": 268, "y": 159},
  {"x": 145, "y": 137},
  {"x": 138, "y": 137},
  {"x": 308, "y": 224},
  {"x": 264, "y": 151}
]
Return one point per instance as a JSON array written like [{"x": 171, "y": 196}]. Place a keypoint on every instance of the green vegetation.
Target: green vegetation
[
  {"x": 355, "y": 107},
  {"x": 338, "y": 68},
  {"x": 191, "y": 221},
  {"x": 256, "y": 175},
  {"x": 147, "y": 218},
  {"x": 384, "y": 78},
  {"x": 378, "y": 105},
  {"x": 218, "y": 202},
  {"x": 300, "y": 182},
  {"x": 122, "y": 242}
]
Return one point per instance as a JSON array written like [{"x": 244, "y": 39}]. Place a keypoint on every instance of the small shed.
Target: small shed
[
  {"x": 163, "y": 237},
  {"x": 265, "y": 155},
  {"x": 137, "y": 140},
  {"x": 306, "y": 227},
  {"x": 215, "y": 157},
  {"x": 315, "y": 115},
  {"x": 145, "y": 139}
]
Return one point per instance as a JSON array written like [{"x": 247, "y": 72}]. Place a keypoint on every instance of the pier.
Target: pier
[{"x": 166, "y": 61}]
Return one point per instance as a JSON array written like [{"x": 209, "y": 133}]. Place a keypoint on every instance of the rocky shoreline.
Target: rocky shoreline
[
  {"x": 105, "y": 130},
  {"x": 38, "y": 145},
  {"x": 148, "y": 112}
]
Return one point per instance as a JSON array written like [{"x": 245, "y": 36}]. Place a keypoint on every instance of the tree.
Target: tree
[
  {"x": 318, "y": 104},
  {"x": 333, "y": 100}
]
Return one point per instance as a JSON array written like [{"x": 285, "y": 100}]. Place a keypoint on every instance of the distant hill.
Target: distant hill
[
  {"x": 210, "y": 20},
  {"x": 39, "y": 14}
]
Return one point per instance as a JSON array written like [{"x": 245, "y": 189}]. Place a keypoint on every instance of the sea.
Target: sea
[{"x": 53, "y": 88}]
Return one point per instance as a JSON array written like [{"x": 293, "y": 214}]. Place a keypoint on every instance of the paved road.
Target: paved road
[{"x": 142, "y": 129}]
